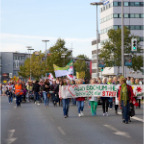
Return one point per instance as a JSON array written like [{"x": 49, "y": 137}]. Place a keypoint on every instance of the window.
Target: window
[
  {"x": 15, "y": 57},
  {"x": 132, "y": 4},
  {"x": 141, "y": 39},
  {"x": 132, "y": 27},
  {"x": 141, "y": 3},
  {"x": 120, "y": 15},
  {"x": 126, "y": 3},
  {"x": 126, "y": 15},
  {"x": 132, "y": 15},
  {"x": 115, "y": 3},
  {"x": 137, "y": 27},
  {"x": 115, "y": 27},
  {"x": 137, "y": 3},
  {"x": 137, "y": 16},
  {"x": 141, "y": 15},
  {"x": 142, "y": 27},
  {"x": 115, "y": 15},
  {"x": 111, "y": 5}
]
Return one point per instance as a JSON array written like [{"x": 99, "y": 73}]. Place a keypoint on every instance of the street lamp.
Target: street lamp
[
  {"x": 29, "y": 49},
  {"x": 46, "y": 48},
  {"x": 122, "y": 38},
  {"x": 97, "y": 4}
]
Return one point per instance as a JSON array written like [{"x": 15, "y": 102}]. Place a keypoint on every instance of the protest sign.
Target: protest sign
[{"x": 96, "y": 90}]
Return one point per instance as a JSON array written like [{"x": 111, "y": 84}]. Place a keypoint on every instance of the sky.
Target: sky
[{"x": 28, "y": 22}]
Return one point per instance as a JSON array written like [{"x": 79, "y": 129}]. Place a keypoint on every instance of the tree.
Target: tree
[
  {"x": 56, "y": 52},
  {"x": 80, "y": 65},
  {"x": 37, "y": 67},
  {"x": 111, "y": 50},
  {"x": 84, "y": 57}
]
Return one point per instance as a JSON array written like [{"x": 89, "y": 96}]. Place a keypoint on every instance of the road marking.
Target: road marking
[
  {"x": 61, "y": 130},
  {"x": 117, "y": 132},
  {"x": 134, "y": 117},
  {"x": 10, "y": 136}
]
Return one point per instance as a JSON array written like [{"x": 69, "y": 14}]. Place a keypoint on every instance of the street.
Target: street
[{"x": 36, "y": 124}]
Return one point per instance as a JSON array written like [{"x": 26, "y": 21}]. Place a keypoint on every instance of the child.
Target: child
[
  {"x": 9, "y": 94},
  {"x": 93, "y": 101}
]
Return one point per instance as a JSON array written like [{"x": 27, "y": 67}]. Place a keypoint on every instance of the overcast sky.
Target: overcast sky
[{"x": 27, "y": 22}]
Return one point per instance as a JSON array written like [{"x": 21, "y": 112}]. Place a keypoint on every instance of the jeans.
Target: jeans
[
  {"x": 36, "y": 96},
  {"x": 18, "y": 100},
  {"x": 46, "y": 99},
  {"x": 111, "y": 102},
  {"x": 125, "y": 110},
  {"x": 80, "y": 105},
  {"x": 65, "y": 106},
  {"x": 74, "y": 101},
  {"x": 10, "y": 99}
]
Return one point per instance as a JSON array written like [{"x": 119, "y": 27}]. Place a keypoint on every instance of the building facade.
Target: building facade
[
  {"x": 110, "y": 17},
  {"x": 10, "y": 63}
]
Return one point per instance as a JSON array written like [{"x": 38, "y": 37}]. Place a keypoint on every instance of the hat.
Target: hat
[{"x": 122, "y": 78}]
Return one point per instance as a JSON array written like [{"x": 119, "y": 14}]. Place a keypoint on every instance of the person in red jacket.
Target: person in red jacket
[{"x": 80, "y": 101}]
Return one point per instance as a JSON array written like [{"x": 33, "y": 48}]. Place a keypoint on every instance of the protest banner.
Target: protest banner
[
  {"x": 96, "y": 90},
  {"x": 138, "y": 91}
]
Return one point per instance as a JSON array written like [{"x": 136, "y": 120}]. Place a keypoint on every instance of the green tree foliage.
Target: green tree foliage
[
  {"x": 37, "y": 66},
  {"x": 111, "y": 49},
  {"x": 56, "y": 52},
  {"x": 80, "y": 65}
]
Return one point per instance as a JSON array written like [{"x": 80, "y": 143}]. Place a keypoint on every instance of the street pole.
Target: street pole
[
  {"x": 97, "y": 36},
  {"x": 97, "y": 71},
  {"x": 29, "y": 48},
  {"x": 46, "y": 49},
  {"x": 122, "y": 38}
]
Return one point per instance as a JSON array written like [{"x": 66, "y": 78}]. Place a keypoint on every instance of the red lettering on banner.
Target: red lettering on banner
[
  {"x": 103, "y": 93},
  {"x": 107, "y": 92}
]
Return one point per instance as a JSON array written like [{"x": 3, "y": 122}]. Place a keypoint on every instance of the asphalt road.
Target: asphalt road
[{"x": 36, "y": 124}]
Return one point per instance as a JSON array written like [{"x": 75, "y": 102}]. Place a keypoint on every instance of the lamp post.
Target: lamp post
[
  {"x": 122, "y": 38},
  {"x": 29, "y": 49},
  {"x": 97, "y": 4},
  {"x": 46, "y": 49}
]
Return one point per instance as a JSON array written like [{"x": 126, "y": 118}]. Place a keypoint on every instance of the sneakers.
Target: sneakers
[
  {"x": 82, "y": 114},
  {"x": 103, "y": 114},
  {"x": 79, "y": 115},
  {"x": 106, "y": 114}
]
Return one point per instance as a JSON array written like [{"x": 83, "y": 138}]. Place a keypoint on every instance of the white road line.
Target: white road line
[
  {"x": 117, "y": 132},
  {"x": 10, "y": 136},
  {"x": 134, "y": 117},
  {"x": 61, "y": 130}
]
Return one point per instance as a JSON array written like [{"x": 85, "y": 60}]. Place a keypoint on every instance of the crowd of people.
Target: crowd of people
[{"x": 46, "y": 90}]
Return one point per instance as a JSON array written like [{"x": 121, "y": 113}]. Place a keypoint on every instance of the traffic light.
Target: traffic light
[
  {"x": 101, "y": 69},
  {"x": 133, "y": 44}
]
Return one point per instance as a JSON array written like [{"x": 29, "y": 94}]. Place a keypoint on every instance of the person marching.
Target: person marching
[
  {"x": 10, "y": 95},
  {"x": 80, "y": 101},
  {"x": 125, "y": 98},
  {"x": 93, "y": 101},
  {"x": 65, "y": 102},
  {"x": 18, "y": 92}
]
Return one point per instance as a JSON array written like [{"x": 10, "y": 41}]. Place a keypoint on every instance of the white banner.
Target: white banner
[{"x": 96, "y": 90}]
